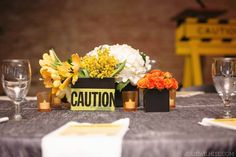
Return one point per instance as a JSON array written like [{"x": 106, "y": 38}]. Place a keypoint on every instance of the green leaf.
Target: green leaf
[
  {"x": 86, "y": 73},
  {"x": 143, "y": 56},
  {"x": 120, "y": 67},
  {"x": 69, "y": 60},
  {"x": 122, "y": 85},
  {"x": 83, "y": 73},
  {"x": 55, "y": 55}
]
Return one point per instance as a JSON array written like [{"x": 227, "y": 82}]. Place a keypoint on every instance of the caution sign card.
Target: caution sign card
[{"x": 93, "y": 94}]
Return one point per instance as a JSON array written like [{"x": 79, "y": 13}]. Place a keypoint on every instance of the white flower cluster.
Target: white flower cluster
[{"x": 136, "y": 64}]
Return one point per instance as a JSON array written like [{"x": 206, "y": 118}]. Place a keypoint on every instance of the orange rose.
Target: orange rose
[
  {"x": 148, "y": 75},
  {"x": 142, "y": 83},
  {"x": 168, "y": 83},
  {"x": 156, "y": 73},
  {"x": 158, "y": 79},
  {"x": 159, "y": 83},
  {"x": 174, "y": 83},
  {"x": 167, "y": 75},
  {"x": 153, "y": 75},
  {"x": 151, "y": 83}
]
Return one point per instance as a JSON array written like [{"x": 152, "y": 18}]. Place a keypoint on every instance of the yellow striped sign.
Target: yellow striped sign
[
  {"x": 212, "y": 28},
  {"x": 92, "y": 99}
]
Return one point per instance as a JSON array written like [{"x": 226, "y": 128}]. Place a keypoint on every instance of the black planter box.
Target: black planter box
[
  {"x": 93, "y": 94},
  {"x": 156, "y": 101},
  {"x": 118, "y": 94}
]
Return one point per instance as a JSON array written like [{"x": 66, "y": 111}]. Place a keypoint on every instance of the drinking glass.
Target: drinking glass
[
  {"x": 16, "y": 78},
  {"x": 224, "y": 78}
]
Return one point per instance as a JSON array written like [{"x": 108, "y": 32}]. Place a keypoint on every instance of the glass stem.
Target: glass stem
[
  {"x": 17, "y": 115},
  {"x": 227, "y": 108}
]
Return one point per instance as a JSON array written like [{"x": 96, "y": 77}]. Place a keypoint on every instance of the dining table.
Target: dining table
[{"x": 151, "y": 134}]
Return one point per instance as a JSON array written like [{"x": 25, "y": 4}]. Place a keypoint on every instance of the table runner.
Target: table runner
[{"x": 174, "y": 133}]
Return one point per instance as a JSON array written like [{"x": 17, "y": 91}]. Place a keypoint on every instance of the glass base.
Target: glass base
[
  {"x": 18, "y": 117},
  {"x": 227, "y": 111},
  {"x": 227, "y": 115}
]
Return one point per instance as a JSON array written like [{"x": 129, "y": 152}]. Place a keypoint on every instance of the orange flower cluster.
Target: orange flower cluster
[{"x": 158, "y": 79}]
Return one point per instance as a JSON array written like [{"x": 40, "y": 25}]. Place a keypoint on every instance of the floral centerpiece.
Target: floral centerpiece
[
  {"x": 157, "y": 85},
  {"x": 137, "y": 63},
  {"x": 59, "y": 75},
  {"x": 159, "y": 80},
  {"x": 122, "y": 62}
]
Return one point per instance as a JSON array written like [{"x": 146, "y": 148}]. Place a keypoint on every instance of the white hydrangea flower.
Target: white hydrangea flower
[{"x": 136, "y": 66}]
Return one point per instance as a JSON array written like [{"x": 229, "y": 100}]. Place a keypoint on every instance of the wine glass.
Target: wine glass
[
  {"x": 224, "y": 78},
  {"x": 16, "y": 78}
]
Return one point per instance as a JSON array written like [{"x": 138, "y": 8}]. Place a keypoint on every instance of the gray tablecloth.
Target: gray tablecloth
[{"x": 174, "y": 133}]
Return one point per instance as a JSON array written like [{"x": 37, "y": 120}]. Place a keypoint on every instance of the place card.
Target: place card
[
  {"x": 86, "y": 139},
  {"x": 91, "y": 129},
  {"x": 229, "y": 123}
]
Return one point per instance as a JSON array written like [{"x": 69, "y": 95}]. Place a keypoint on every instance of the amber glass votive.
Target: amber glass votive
[
  {"x": 172, "y": 94},
  {"x": 43, "y": 100},
  {"x": 55, "y": 101},
  {"x": 130, "y": 100}
]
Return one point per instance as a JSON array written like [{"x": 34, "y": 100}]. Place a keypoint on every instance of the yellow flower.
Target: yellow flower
[
  {"x": 49, "y": 71},
  {"x": 100, "y": 66},
  {"x": 56, "y": 83},
  {"x": 58, "y": 75},
  {"x": 75, "y": 67},
  {"x": 50, "y": 60},
  {"x": 65, "y": 70},
  {"x": 49, "y": 68},
  {"x": 69, "y": 71},
  {"x": 65, "y": 83}
]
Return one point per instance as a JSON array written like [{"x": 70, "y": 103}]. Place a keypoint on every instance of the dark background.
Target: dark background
[{"x": 28, "y": 28}]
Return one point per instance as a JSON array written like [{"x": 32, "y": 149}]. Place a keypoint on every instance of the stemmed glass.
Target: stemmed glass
[
  {"x": 224, "y": 78},
  {"x": 16, "y": 78}
]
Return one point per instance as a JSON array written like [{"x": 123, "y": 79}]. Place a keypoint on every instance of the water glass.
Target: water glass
[
  {"x": 16, "y": 78},
  {"x": 224, "y": 78}
]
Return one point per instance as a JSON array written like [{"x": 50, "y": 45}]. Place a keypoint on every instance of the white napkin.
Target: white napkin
[
  {"x": 229, "y": 123},
  {"x": 188, "y": 93},
  {"x": 86, "y": 140},
  {"x": 4, "y": 119}
]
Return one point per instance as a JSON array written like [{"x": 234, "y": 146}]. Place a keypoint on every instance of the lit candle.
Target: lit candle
[
  {"x": 130, "y": 104},
  {"x": 44, "y": 105}
]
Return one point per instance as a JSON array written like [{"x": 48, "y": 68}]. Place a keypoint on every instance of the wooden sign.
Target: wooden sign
[
  {"x": 210, "y": 31},
  {"x": 192, "y": 28},
  {"x": 203, "y": 37},
  {"x": 93, "y": 94}
]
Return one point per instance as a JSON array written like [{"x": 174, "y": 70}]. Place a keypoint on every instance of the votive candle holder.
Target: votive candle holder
[
  {"x": 130, "y": 100},
  {"x": 172, "y": 94},
  {"x": 43, "y": 100}
]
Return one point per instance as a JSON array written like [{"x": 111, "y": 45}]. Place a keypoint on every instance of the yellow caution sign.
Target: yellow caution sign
[
  {"x": 93, "y": 94},
  {"x": 92, "y": 99},
  {"x": 209, "y": 37}
]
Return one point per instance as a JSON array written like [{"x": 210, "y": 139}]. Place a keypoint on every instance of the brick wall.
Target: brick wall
[{"x": 30, "y": 28}]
